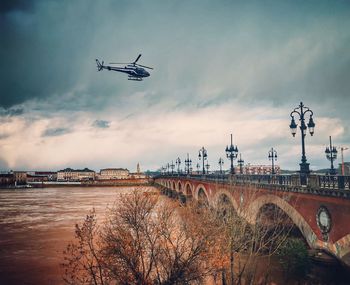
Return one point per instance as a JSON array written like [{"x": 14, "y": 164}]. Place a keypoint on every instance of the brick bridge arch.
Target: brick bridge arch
[
  {"x": 292, "y": 213},
  {"x": 300, "y": 207}
]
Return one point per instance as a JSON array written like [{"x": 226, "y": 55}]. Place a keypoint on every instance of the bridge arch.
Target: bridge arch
[
  {"x": 173, "y": 186},
  {"x": 179, "y": 186},
  {"x": 188, "y": 189},
  {"x": 201, "y": 195},
  {"x": 289, "y": 210},
  {"x": 225, "y": 196}
]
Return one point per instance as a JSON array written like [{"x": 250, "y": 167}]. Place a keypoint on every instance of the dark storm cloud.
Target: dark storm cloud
[
  {"x": 15, "y": 111},
  {"x": 204, "y": 53},
  {"x": 102, "y": 124},
  {"x": 55, "y": 132},
  {"x": 7, "y": 6}
]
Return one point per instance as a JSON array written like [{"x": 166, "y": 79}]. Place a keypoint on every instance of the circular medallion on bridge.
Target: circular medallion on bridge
[{"x": 324, "y": 221}]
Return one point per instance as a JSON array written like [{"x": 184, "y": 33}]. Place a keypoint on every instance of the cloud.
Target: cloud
[
  {"x": 13, "y": 111},
  {"x": 55, "y": 132},
  {"x": 102, "y": 124},
  {"x": 218, "y": 68}
]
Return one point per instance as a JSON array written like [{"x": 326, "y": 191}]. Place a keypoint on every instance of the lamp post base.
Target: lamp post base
[{"x": 304, "y": 172}]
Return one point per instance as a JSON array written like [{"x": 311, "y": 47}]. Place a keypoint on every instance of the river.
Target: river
[{"x": 36, "y": 225}]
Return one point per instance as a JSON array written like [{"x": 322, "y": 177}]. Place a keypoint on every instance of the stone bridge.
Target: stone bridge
[{"x": 321, "y": 210}]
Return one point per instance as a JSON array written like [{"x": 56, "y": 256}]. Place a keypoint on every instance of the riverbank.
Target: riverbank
[{"x": 95, "y": 183}]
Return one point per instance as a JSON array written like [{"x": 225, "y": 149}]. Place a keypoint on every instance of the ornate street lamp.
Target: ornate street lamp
[
  {"x": 168, "y": 167},
  {"x": 203, "y": 155},
  {"x": 331, "y": 154},
  {"x": 207, "y": 167},
  {"x": 231, "y": 153},
  {"x": 178, "y": 163},
  {"x": 301, "y": 111},
  {"x": 240, "y": 163},
  {"x": 188, "y": 163},
  {"x": 198, "y": 167},
  {"x": 172, "y": 166},
  {"x": 272, "y": 155},
  {"x": 221, "y": 162}
]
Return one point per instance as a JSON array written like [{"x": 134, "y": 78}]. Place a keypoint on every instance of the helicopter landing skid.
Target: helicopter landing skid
[{"x": 135, "y": 78}]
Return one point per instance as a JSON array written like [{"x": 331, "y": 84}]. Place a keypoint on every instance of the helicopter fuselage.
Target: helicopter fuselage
[{"x": 133, "y": 71}]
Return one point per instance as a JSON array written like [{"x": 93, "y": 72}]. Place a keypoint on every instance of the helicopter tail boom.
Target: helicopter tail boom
[{"x": 99, "y": 65}]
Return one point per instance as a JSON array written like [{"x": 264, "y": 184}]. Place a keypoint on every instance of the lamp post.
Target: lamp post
[
  {"x": 231, "y": 153},
  {"x": 168, "y": 167},
  {"x": 198, "y": 167},
  {"x": 188, "y": 163},
  {"x": 172, "y": 166},
  {"x": 331, "y": 154},
  {"x": 203, "y": 155},
  {"x": 301, "y": 111},
  {"x": 240, "y": 163},
  {"x": 272, "y": 155},
  {"x": 221, "y": 162},
  {"x": 207, "y": 167},
  {"x": 178, "y": 163}
]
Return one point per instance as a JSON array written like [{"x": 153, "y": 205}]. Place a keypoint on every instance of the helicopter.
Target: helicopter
[{"x": 136, "y": 71}]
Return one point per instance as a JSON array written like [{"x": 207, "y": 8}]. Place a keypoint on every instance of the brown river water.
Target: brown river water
[{"x": 36, "y": 225}]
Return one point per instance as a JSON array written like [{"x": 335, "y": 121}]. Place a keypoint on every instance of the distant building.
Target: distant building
[
  {"x": 41, "y": 176},
  {"x": 70, "y": 174},
  {"x": 7, "y": 179},
  {"x": 20, "y": 177},
  {"x": 113, "y": 173},
  {"x": 13, "y": 178},
  {"x": 260, "y": 169}
]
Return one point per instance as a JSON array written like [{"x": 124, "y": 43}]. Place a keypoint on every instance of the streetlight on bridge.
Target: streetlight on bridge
[
  {"x": 331, "y": 154},
  {"x": 203, "y": 155},
  {"x": 221, "y": 162},
  {"x": 301, "y": 111},
  {"x": 188, "y": 163},
  {"x": 198, "y": 167},
  {"x": 172, "y": 166},
  {"x": 168, "y": 167},
  {"x": 231, "y": 153},
  {"x": 207, "y": 167},
  {"x": 178, "y": 163},
  {"x": 272, "y": 155},
  {"x": 240, "y": 163}
]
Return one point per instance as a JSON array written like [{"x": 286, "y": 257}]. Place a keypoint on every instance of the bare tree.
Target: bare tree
[
  {"x": 245, "y": 243},
  {"x": 145, "y": 240}
]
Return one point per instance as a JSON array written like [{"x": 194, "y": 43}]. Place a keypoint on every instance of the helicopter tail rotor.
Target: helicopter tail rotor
[{"x": 99, "y": 65}]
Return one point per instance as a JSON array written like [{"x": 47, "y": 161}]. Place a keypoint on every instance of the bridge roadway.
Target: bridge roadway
[{"x": 321, "y": 209}]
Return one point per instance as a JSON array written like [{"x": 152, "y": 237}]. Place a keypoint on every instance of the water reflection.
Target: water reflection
[{"x": 36, "y": 225}]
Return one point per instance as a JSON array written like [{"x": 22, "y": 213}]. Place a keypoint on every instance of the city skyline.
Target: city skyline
[{"x": 219, "y": 68}]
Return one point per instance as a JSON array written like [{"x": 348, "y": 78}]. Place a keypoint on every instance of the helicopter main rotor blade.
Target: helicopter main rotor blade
[
  {"x": 137, "y": 59},
  {"x": 120, "y": 63},
  {"x": 145, "y": 66}
]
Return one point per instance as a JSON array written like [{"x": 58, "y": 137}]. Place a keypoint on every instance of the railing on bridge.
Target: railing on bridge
[{"x": 314, "y": 181}]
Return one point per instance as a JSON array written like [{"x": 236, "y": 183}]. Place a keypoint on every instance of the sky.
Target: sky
[{"x": 220, "y": 67}]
